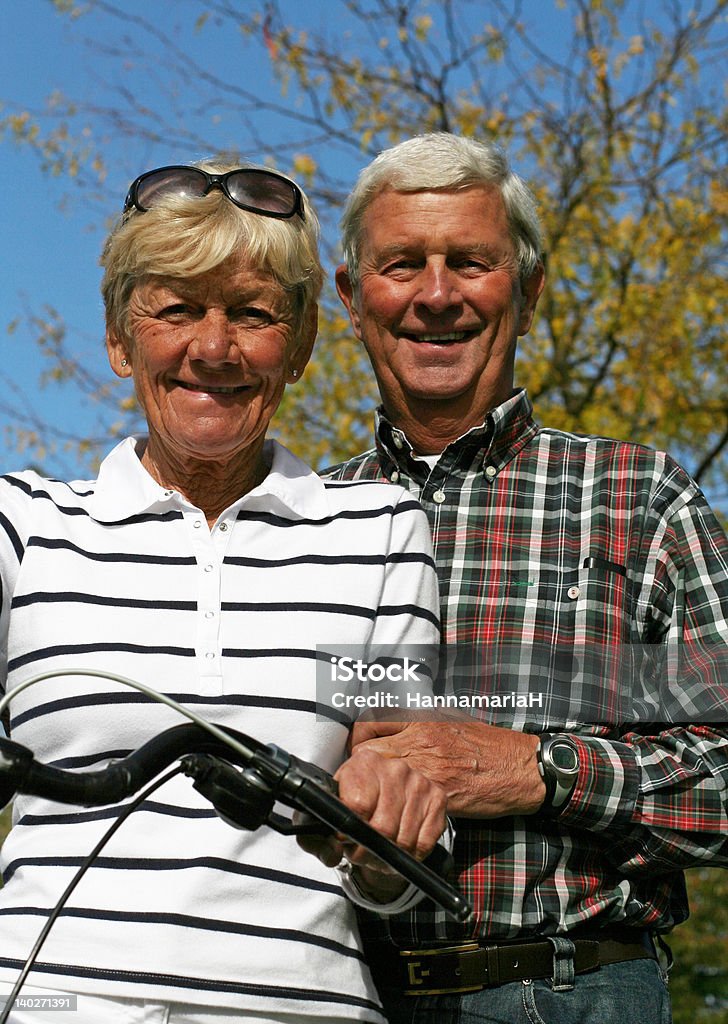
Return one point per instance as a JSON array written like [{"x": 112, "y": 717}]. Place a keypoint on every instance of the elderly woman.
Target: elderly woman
[{"x": 210, "y": 564}]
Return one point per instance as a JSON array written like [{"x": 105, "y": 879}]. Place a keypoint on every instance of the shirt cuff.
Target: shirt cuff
[
  {"x": 607, "y": 789},
  {"x": 405, "y": 901}
]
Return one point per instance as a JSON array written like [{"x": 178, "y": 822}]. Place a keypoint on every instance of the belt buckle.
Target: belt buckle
[{"x": 418, "y": 972}]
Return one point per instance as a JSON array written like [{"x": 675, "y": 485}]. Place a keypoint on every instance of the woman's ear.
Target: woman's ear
[
  {"x": 117, "y": 351},
  {"x": 301, "y": 352}
]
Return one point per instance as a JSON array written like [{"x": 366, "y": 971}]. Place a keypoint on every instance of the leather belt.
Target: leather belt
[{"x": 472, "y": 966}]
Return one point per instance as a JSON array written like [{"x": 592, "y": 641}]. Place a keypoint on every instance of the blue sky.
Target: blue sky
[
  {"x": 51, "y": 237},
  {"x": 52, "y": 233}
]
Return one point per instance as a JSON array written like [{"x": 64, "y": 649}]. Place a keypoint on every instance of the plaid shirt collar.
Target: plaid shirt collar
[{"x": 504, "y": 432}]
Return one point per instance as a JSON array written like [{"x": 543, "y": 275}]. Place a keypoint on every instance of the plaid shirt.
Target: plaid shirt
[{"x": 563, "y": 542}]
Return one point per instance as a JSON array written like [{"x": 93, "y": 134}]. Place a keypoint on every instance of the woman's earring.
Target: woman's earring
[
  {"x": 294, "y": 373},
  {"x": 124, "y": 362}
]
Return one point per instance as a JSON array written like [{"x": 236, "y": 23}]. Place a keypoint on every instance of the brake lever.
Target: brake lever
[
  {"x": 245, "y": 799},
  {"x": 300, "y": 774}
]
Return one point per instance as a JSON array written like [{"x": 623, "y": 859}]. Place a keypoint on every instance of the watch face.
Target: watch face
[{"x": 564, "y": 757}]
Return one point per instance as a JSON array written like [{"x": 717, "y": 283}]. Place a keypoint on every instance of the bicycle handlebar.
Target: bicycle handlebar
[{"x": 244, "y": 798}]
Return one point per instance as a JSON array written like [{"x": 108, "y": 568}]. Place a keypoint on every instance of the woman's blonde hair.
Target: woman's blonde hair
[{"x": 185, "y": 237}]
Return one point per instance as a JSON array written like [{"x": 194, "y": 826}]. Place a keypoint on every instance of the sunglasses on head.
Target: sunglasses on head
[{"x": 250, "y": 188}]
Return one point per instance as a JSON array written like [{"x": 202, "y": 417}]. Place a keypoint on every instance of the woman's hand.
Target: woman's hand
[{"x": 394, "y": 799}]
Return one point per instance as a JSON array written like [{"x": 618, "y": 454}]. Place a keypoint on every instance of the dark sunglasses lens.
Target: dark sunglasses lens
[
  {"x": 264, "y": 192},
  {"x": 183, "y": 181}
]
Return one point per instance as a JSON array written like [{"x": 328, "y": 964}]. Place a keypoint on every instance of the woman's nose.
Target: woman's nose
[{"x": 213, "y": 339}]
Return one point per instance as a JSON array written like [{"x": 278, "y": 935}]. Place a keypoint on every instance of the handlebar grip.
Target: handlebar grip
[
  {"x": 21, "y": 773},
  {"x": 337, "y": 815},
  {"x": 438, "y": 859},
  {"x": 15, "y": 763}
]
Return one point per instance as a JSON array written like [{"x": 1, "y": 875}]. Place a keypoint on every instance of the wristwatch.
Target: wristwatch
[{"x": 558, "y": 765}]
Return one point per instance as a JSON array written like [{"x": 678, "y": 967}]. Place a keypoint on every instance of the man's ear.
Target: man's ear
[
  {"x": 118, "y": 353},
  {"x": 347, "y": 294},
  {"x": 301, "y": 352},
  {"x": 531, "y": 290}
]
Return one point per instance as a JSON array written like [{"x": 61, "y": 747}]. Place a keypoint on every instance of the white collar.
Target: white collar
[{"x": 124, "y": 488}]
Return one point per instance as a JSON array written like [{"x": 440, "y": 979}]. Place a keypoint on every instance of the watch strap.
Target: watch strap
[{"x": 559, "y": 785}]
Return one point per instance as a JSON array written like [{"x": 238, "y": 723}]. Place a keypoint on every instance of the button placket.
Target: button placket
[{"x": 209, "y": 564}]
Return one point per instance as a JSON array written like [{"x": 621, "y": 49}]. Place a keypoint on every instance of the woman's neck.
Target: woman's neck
[{"x": 210, "y": 485}]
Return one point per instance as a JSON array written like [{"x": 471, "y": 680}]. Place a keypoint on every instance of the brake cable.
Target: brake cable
[
  {"x": 66, "y": 894},
  {"x": 271, "y": 772}
]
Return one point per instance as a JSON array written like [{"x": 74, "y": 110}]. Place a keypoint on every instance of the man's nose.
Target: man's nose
[
  {"x": 439, "y": 288},
  {"x": 213, "y": 339}
]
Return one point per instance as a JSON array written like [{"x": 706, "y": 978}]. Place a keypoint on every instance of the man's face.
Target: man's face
[{"x": 439, "y": 305}]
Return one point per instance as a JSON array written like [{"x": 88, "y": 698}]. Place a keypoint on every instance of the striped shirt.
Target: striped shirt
[
  {"x": 122, "y": 575},
  {"x": 550, "y": 542}
]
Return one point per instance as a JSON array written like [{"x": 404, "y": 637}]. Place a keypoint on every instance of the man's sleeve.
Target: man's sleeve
[{"x": 659, "y": 793}]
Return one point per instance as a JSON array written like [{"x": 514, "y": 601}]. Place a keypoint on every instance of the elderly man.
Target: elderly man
[{"x": 571, "y": 833}]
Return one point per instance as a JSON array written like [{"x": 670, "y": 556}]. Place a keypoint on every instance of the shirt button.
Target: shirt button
[
  {"x": 397, "y": 441},
  {"x": 223, "y": 527},
  {"x": 439, "y": 497},
  {"x": 168, "y": 494},
  {"x": 490, "y": 472},
  {"x": 209, "y": 568},
  {"x": 197, "y": 524},
  {"x": 395, "y": 477},
  {"x": 210, "y": 655},
  {"x": 209, "y": 615},
  {"x": 573, "y": 592}
]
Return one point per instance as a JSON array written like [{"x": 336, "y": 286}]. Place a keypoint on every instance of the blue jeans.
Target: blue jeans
[{"x": 633, "y": 992}]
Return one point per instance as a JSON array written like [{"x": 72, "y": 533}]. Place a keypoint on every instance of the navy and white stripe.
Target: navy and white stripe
[{"x": 123, "y": 576}]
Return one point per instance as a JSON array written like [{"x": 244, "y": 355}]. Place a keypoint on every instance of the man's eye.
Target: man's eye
[
  {"x": 404, "y": 263},
  {"x": 472, "y": 263}
]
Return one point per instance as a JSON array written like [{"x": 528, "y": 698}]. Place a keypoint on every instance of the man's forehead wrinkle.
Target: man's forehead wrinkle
[{"x": 397, "y": 248}]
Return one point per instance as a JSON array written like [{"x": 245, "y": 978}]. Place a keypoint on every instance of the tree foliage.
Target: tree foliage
[
  {"x": 699, "y": 980},
  {"x": 614, "y": 110},
  {"x": 619, "y": 125}
]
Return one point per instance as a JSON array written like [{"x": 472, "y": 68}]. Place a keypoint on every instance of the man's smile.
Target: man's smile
[{"x": 443, "y": 338}]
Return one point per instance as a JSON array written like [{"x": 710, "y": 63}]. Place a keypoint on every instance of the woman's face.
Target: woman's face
[{"x": 210, "y": 357}]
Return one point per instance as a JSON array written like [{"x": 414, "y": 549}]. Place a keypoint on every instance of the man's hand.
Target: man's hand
[
  {"x": 487, "y": 771},
  {"x": 394, "y": 799}
]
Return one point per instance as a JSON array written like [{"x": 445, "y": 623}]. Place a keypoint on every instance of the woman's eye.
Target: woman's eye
[
  {"x": 253, "y": 315},
  {"x": 175, "y": 310}
]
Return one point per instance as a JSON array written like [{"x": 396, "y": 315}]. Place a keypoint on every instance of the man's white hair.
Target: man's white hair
[{"x": 444, "y": 162}]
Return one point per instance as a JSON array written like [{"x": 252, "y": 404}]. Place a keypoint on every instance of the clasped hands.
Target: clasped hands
[{"x": 403, "y": 777}]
